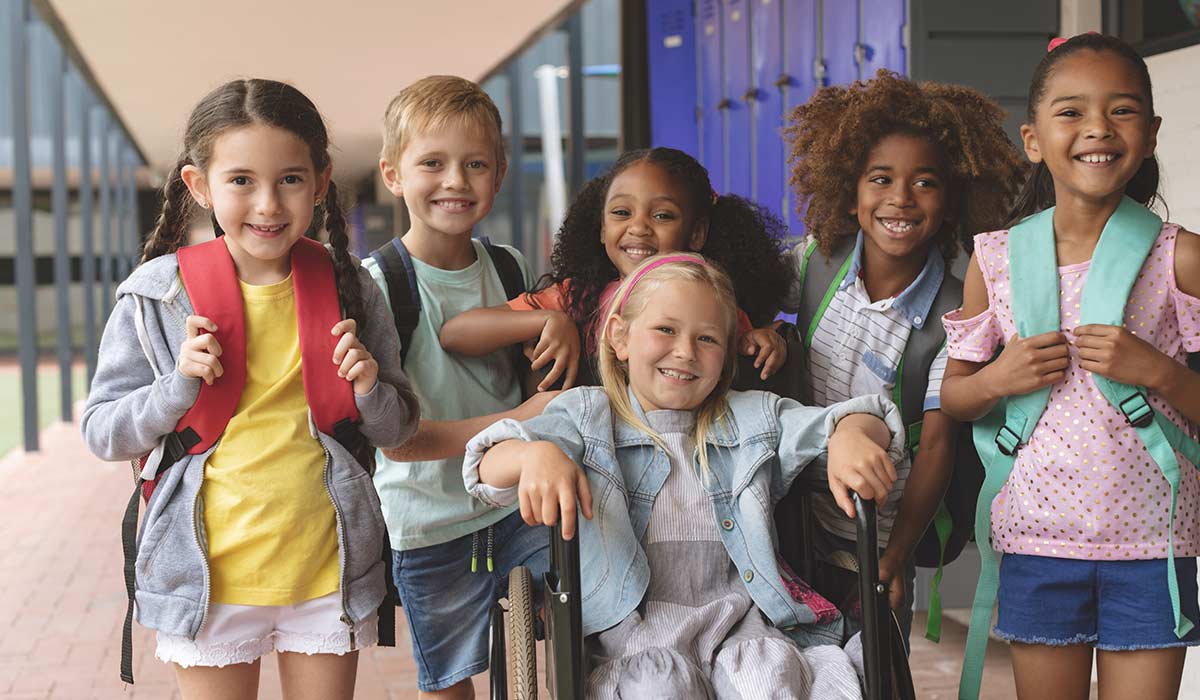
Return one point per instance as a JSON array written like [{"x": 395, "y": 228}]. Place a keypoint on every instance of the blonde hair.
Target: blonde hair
[
  {"x": 434, "y": 102},
  {"x": 629, "y": 302}
]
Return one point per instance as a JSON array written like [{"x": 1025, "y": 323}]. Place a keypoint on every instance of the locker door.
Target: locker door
[
  {"x": 839, "y": 39},
  {"x": 712, "y": 90},
  {"x": 739, "y": 138},
  {"x": 882, "y": 36},
  {"x": 769, "y": 173},
  {"x": 671, "y": 53},
  {"x": 799, "y": 57}
]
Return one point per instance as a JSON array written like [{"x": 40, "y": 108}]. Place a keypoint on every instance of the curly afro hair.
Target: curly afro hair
[
  {"x": 831, "y": 135},
  {"x": 743, "y": 238}
]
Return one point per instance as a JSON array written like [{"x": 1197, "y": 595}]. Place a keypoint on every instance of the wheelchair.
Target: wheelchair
[
  {"x": 513, "y": 659},
  {"x": 513, "y": 654}
]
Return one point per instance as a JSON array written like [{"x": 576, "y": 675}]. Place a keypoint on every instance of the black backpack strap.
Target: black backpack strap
[
  {"x": 506, "y": 267},
  {"x": 509, "y": 271},
  {"x": 922, "y": 348},
  {"x": 401, "y": 280},
  {"x": 129, "y": 524},
  {"x": 818, "y": 283}
]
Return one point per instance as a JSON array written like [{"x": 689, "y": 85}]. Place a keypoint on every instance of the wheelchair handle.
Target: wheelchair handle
[{"x": 873, "y": 594}]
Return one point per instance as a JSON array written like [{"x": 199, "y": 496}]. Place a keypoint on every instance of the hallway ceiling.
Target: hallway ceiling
[{"x": 156, "y": 59}]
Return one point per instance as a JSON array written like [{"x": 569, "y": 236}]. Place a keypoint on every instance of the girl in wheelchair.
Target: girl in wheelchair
[{"x": 676, "y": 478}]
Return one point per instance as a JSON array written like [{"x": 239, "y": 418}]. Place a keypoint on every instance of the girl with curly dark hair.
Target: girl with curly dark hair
[
  {"x": 894, "y": 177},
  {"x": 651, "y": 201}
]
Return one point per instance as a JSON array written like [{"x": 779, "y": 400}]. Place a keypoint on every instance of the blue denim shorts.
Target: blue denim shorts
[
  {"x": 1112, "y": 605},
  {"x": 448, "y": 607}
]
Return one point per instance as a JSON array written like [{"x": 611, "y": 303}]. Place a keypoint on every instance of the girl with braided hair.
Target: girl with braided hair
[
  {"x": 893, "y": 178},
  {"x": 270, "y": 540},
  {"x": 651, "y": 201}
]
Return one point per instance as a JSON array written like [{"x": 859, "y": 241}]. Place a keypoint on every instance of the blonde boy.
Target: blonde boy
[{"x": 444, "y": 156}]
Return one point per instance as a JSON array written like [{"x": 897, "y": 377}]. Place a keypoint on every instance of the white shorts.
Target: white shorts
[{"x": 240, "y": 634}]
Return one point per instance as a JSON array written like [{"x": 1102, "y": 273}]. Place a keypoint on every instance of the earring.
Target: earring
[{"x": 203, "y": 204}]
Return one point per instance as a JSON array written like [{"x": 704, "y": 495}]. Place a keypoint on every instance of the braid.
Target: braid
[
  {"x": 349, "y": 292},
  {"x": 169, "y": 230}
]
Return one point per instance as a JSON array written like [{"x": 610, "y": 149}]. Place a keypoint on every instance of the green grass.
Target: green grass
[{"x": 11, "y": 412}]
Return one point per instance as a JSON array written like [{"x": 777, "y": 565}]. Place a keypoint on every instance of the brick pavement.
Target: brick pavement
[{"x": 62, "y": 597}]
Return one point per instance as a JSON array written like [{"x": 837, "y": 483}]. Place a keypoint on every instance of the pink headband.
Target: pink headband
[
  {"x": 664, "y": 260},
  {"x": 1060, "y": 40}
]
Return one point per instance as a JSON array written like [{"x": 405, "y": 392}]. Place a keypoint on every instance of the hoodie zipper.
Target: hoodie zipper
[
  {"x": 341, "y": 531},
  {"x": 203, "y": 555}
]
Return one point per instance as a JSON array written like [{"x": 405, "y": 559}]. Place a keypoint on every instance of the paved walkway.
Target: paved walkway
[{"x": 62, "y": 597}]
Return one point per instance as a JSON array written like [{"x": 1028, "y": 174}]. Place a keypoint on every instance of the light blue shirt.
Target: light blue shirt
[{"x": 424, "y": 503}]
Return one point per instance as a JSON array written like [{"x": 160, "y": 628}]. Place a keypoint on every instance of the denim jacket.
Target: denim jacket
[
  {"x": 754, "y": 454},
  {"x": 137, "y": 397}
]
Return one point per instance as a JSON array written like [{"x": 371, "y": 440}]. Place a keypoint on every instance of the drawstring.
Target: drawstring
[{"x": 475, "y": 549}]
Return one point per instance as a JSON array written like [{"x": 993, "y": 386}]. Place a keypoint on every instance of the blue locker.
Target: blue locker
[
  {"x": 671, "y": 54},
  {"x": 739, "y": 137},
  {"x": 800, "y": 52},
  {"x": 882, "y": 37},
  {"x": 839, "y": 41},
  {"x": 712, "y": 90},
  {"x": 769, "y": 175}
]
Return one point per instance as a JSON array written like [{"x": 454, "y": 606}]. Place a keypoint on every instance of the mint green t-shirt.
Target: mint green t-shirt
[{"x": 425, "y": 503}]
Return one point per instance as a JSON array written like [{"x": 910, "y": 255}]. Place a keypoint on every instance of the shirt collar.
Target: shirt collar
[{"x": 915, "y": 301}]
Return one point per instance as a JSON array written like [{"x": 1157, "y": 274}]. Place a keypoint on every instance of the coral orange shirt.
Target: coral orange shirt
[{"x": 554, "y": 298}]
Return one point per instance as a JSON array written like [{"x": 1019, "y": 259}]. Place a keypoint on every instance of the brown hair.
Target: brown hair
[
  {"x": 241, "y": 103},
  {"x": 629, "y": 302},
  {"x": 832, "y": 134},
  {"x": 432, "y": 103}
]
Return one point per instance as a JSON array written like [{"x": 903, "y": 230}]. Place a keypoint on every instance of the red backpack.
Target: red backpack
[{"x": 212, "y": 286}]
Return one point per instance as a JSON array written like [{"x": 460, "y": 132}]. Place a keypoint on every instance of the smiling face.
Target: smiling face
[
  {"x": 901, "y": 197},
  {"x": 262, "y": 186},
  {"x": 646, "y": 211},
  {"x": 676, "y": 348},
  {"x": 1092, "y": 127},
  {"x": 448, "y": 178}
]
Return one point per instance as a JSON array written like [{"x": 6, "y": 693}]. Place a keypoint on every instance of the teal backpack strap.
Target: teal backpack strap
[
  {"x": 1129, "y": 235},
  {"x": 1033, "y": 279}
]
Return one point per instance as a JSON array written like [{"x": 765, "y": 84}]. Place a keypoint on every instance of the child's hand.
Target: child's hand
[
  {"x": 198, "y": 354},
  {"x": 534, "y": 405},
  {"x": 1028, "y": 364},
  {"x": 857, "y": 462},
  {"x": 355, "y": 364},
  {"x": 891, "y": 572},
  {"x": 769, "y": 348},
  {"x": 550, "y": 484},
  {"x": 558, "y": 342},
  {"x": 1114, "y": 352}
]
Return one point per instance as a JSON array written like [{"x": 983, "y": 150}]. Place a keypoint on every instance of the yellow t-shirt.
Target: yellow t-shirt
[{"x": 269, "y": 520}]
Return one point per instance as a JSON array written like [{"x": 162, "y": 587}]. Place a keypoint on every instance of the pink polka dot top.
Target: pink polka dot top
[{"x": 1085, "y": 487}]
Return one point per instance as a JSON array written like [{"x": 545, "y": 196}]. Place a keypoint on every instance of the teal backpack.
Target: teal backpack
[{"x": 1124, "y": 244}]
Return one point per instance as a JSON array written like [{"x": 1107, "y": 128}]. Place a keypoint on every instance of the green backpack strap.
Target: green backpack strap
[
  {"x": 1033, "y": 278},
  {"x": 1130, "y": 234}
]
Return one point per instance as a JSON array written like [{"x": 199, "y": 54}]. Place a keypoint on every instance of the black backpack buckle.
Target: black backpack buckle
[
  {"x": 1137, "y": 410},
  {"x": 1007, "y": 441}
]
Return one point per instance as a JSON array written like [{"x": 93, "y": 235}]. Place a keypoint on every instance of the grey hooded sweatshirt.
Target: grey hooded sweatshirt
[{"x": 137, "y": 397}]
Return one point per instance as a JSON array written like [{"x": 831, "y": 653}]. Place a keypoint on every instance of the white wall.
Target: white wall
[{"x": 1177, "y": 100}]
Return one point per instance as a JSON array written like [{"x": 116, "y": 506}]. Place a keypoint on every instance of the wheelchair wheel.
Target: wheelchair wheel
[{"x": 522, "y": 655}]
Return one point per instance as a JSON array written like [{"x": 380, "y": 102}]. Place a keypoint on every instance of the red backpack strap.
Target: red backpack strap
[
  {"x": 212, "y": 287},
  {"x": 330, "y": 397}
]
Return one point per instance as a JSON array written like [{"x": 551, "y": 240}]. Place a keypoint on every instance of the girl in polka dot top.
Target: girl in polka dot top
[{"x": 1083, "y": 520}]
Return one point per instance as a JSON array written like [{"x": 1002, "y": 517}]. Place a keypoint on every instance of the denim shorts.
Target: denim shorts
[
  {"x": 1111, "y": 605},
  {"x": 448, "y": 607}
]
